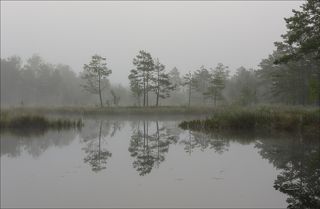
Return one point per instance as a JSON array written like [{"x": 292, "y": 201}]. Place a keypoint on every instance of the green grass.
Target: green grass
[{"x": 286, "y": 119}]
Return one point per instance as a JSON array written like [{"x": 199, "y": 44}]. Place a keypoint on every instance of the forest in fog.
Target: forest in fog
[
  {"x": 39, "y": 83},
  {"x": 289, "y": 75}
]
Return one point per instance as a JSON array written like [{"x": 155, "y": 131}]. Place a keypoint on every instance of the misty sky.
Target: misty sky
[{"x": 182, "y": 34}]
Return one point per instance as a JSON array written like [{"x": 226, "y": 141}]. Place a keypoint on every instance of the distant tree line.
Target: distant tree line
[
  {"x": 39, "y": 83},
  {"x": 290, "y": 75}
]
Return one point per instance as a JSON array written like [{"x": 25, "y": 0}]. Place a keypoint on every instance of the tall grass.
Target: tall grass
[
  {"x": 262, "y": 118},
  {"x": 35, "y": 122}
]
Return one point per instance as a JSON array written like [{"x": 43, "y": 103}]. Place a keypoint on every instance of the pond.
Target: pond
[{"x": 151, "y": 162}]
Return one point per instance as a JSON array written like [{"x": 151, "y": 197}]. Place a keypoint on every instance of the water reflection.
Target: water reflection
[
  {"x": 95, "y": 155},
  {"x": 149, "y": 144},
  {"x": 94, "y": 137},
  {"x": 202, "y": 141},
  {"x": 34, "y": 144},
  {"x": 297, "y": 159}
]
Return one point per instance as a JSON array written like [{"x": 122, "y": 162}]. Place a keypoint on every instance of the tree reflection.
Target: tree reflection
[
  {"x": 203, "y": 141},
  {"x": 297, "y": 158},
  {"x": 301, "y": 181},
  {"x": 189, "y": 143},
  {"x": 299, "y": 161},
  {"x": 96, "y": 155},
  {"x": 139, "y": 148},
  {"x": 148, "y": 149}
]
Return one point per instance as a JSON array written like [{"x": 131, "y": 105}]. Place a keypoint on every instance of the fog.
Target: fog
[
  {"x": 160, "y": 104},
  {"x": 182, "y": 34},
  {"x": 157, "y": 53}
]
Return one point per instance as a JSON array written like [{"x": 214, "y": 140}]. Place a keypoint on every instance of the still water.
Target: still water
[{"x": 149, "y": 162}]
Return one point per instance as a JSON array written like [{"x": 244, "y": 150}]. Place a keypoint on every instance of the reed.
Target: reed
[
  {"x": 263, "y": 118},
  {"x": 36, "y": 122}
]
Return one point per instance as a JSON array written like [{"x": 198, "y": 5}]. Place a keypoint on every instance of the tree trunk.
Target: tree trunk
[
  {"x": 303, "y": 89},
  {"x": 100, "y": 96},
  {"x": 157, "y": 103},
  {"x": 157, "y": 93},
  {"x": 144, "y": 134},
  {"x": 189, "y": 94},
  {"x": 147, "y": 90},
  {"x": 144, "y": 91},
  {"x": 158, "y": 87}
]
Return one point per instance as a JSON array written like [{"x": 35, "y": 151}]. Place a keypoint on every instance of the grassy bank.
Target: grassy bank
[
  {"x": 266, "y": 118},
  {"x": 133, "y": 110},
  {"x": 260, "y": 118},
  {"x": 35, "y": 122},
  {"x": 167, "y": 110}
]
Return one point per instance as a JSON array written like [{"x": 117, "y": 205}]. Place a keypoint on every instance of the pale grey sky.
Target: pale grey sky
[{"x": 182, "y": 34}]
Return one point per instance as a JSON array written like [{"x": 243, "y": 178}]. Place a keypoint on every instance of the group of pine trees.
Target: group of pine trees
[
  {"x": 293, "y": 70},
  {"x": 149, "y": 75}
]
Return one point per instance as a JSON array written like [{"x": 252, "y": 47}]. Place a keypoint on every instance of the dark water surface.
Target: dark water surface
[{"x": 145, "y": 162}]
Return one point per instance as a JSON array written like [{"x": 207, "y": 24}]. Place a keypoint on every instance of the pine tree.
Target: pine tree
[
  {"x": 218, "y": 79},
  {"x": 95, "y": 73},
  {"x": 136, "y": 84},
  {"x": 145, "y": 68},
  {"x": 188, "y": 81},
  {"x": 161, "y": 82},
  {"x": 202, "y": 81}
]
